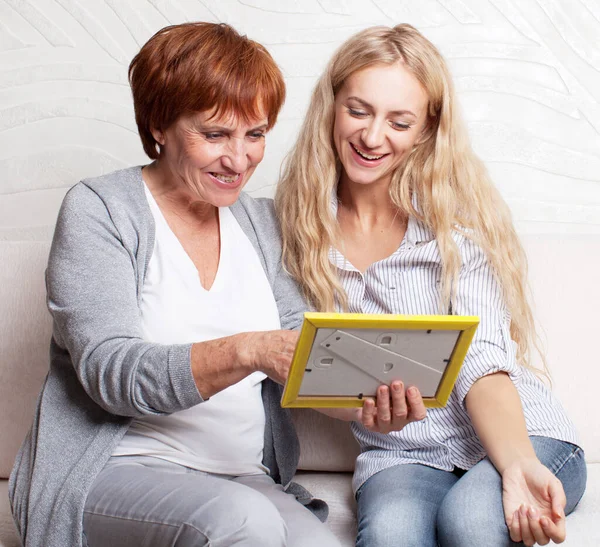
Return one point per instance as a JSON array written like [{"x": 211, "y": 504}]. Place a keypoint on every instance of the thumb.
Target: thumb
[{"x": 559, "y": 500}]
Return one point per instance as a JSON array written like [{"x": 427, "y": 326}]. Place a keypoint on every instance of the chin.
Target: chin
[
  {"x": 226, "y": 200},
  {"x": 362, "y": 178}
]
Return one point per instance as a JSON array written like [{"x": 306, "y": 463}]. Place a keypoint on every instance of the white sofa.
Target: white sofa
[{"x": 564, "y": 276}]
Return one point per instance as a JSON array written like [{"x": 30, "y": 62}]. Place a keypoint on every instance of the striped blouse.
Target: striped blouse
[{"x": 407, "y": 282}]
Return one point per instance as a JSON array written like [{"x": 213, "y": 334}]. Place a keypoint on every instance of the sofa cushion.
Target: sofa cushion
[
  {"x": 326, "y": 444},
  {"x": 336, "y": 490},
  {"x": 8, "y": 531},
  {"x": 25, "y": 330}
]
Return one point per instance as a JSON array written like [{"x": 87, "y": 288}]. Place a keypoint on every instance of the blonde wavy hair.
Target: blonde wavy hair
[{"x": 450, "y": 183}]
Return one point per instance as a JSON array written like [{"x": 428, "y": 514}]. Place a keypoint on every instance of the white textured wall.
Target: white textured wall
[{"x": 527, "y": 71}]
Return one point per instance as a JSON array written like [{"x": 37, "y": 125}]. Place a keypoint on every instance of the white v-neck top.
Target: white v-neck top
[{"x": 226, "y": 433}]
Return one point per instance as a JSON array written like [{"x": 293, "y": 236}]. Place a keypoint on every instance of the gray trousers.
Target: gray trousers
[{"x": 144, "y": 501}]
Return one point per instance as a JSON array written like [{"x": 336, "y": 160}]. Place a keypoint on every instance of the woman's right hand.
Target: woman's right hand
[
  {"x": 534, "y": 503},
  {"x": 271, "y": 352},
  {"x": 393, "y": 408}
]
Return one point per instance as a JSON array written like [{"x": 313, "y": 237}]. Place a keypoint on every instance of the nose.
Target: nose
[
  {"x": 373, "y": 134},
  {"x": 236, "y": 155}
]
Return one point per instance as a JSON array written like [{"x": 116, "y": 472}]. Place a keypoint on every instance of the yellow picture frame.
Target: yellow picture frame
[{"x": 349, "y": 326}]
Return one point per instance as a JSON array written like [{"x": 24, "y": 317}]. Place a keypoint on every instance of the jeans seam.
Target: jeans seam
[{"x": 568, "y": 459}]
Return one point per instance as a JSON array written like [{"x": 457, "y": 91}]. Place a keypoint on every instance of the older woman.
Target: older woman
[{"x": 159, "y": 422}]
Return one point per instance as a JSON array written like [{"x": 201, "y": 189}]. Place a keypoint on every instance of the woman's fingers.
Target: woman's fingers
[
  {"x": 417, "y": 407},
  {"x": 526, "y": 534},
  {"x": 515, "y": 528},
  {"x": 535, "y": 526},
  {"x": 368, "y": 413},
  {"x": 554, "y": 530},
  {"x": 383, "y": 406},
  {"x": 559, "y": 500},
  {"x": 394, "y": 408},
  {"x": 399, "y": 406}
]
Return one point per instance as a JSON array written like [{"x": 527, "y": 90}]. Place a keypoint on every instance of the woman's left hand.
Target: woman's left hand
[
  {"x": 534, "y": 503},
  {"x": 392, "y": 413}
]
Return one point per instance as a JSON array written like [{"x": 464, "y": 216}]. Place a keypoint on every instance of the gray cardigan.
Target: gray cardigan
[{"x": 102, "y": 373}]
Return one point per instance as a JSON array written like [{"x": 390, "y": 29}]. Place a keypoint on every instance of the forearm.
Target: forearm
[
  {"x": 220, "y": 363},
  {"x": 494, "y": 407}
]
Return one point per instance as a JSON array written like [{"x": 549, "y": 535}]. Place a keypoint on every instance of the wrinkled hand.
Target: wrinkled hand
[
  {"x": 387, "y": 413},
  {"x": 271, "y": 352},
  {"x": 534, "y": 503}
]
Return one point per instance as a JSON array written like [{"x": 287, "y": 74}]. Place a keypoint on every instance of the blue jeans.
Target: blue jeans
[{"x": 415, "y": 505}]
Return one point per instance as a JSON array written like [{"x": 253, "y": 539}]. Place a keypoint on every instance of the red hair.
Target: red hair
[{"x": 196, "y": 67}]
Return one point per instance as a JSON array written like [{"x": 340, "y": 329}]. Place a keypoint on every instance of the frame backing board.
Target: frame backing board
[{"x": 341, "y": 358}]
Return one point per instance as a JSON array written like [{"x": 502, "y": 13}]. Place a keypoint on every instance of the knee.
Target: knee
[
  {"x": 245, "y": 520},
  {"x": 465, "y": 525},
  {"x": 396, "y": 524},
  {"x": 393, "y": 536},
  {"x": 262, "y": 524}
]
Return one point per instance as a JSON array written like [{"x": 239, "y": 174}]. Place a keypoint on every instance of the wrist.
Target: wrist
[
  {"x": 518, "y": 458},
  {"x": 246, "y": 350}
]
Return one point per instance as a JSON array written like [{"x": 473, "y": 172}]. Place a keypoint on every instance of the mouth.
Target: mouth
[
  {"x": 227, "y": 179},
  {"x": 365, "y": 156}
]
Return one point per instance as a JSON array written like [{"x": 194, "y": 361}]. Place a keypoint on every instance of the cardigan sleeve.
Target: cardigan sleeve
[{"x": 92, "y": 295}]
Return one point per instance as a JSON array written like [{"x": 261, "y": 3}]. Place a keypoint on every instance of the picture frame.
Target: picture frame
[{"x": 341, "y": 358}]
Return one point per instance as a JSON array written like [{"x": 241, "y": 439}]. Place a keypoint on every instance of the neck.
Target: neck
[
  {"x": 171, "y": 191},
  {"x": 367, "y": 204}
]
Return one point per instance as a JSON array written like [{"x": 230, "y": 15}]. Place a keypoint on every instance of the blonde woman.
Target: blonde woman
[{"x": 399, "y": 216}]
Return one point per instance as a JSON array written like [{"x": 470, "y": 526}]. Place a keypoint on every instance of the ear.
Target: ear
[{"x": 159, "y": 136}]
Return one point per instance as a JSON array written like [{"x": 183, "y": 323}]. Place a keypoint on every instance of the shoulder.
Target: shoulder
[
  {"x": 120, "y": 186},
  {"x": 258, "y": 221},
  {"x": 423, "y": 237},
  {"x": 472, "y": 254},
  {"x": 260, "y": 210},
  {"x": 114, "y": 203},
  {"x": 258, "y": 215}
]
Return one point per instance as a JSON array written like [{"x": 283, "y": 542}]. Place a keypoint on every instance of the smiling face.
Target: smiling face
[
  {"x": 213, "y": 158},
  {"x": 380, "y": 114}
]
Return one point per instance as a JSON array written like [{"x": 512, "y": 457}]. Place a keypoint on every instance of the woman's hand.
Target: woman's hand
[
  {"x": 534, "y": 503},
  {"x": 271, "y": 352},
  {"x": 391, "y": 413}
]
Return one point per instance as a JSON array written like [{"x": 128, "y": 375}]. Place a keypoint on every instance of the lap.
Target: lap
[
  {"x": 472, "y": 510},
  {"x": 149, "y": 502},
  {"x": 413, "y": 504},
  {"x": 304, "y": 528},
  {"x": 398, "y": 505}
]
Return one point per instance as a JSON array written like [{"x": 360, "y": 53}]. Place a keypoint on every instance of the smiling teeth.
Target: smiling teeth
[
  {"x": 367, "y": 156},
  {"x": 225, "y": 178}
]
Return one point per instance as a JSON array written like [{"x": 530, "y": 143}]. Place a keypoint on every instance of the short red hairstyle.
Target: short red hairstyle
[{"x": 196, "y": 67}]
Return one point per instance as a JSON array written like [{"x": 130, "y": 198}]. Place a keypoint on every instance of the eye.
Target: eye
[
  {"x": 357, "y": 113},
  {"x": 256, "y": 135},
  {"x": 213, "y": 136},
  {"x": 400, "y": 126}
]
